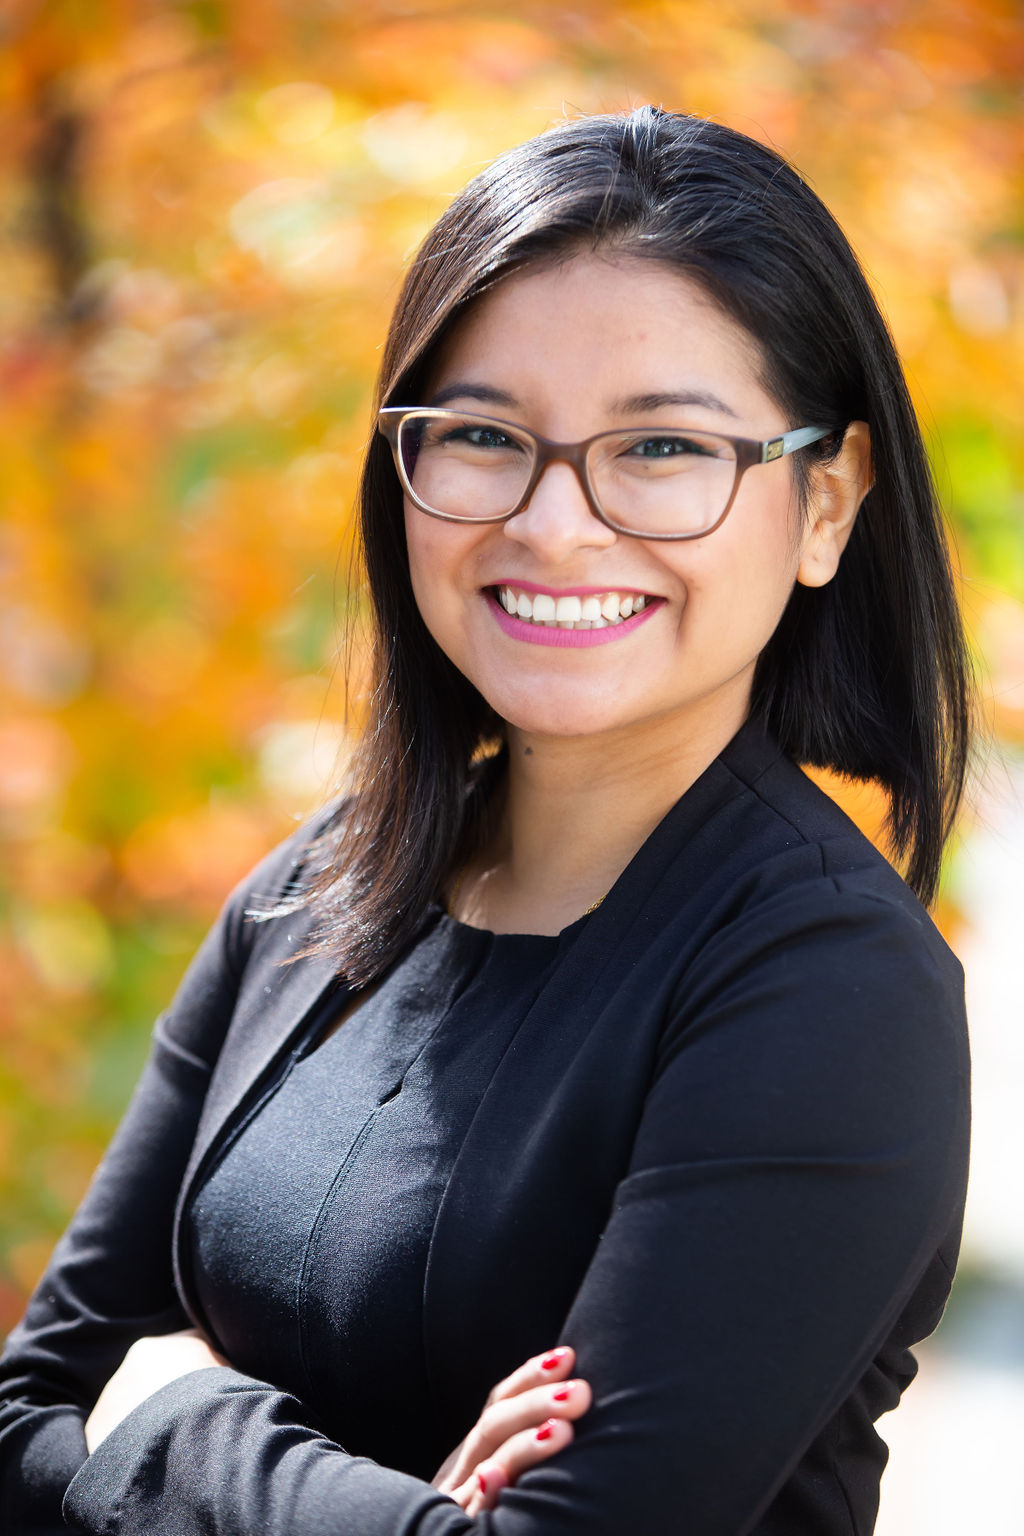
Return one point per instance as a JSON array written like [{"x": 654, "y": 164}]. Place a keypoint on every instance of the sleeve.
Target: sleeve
[
  {"x": 800, "y": 1158},
  {"x": 110, "y": 1279}
]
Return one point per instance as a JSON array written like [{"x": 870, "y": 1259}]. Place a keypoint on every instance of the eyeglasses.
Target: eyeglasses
[{"x": 650, "y": 482}]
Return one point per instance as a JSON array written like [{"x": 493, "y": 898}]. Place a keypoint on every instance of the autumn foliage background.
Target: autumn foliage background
[{"x": 205, "y": 209}]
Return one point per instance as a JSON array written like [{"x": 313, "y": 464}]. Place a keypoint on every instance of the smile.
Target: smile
[
  {"x": 594, "y": 611},
  {"x": 569, "y": 619}
]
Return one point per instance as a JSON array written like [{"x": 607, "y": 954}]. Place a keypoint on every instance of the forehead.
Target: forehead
[
  {"x": 592, "y": 321},
  {"x": 571, "y": 341}
]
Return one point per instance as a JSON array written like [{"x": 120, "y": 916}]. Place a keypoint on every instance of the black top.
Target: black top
[
  {"x": 717, "y": 1143},
  {"x": 310, "y": 1234}
]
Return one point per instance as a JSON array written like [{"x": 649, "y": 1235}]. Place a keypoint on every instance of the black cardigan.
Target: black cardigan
[{"x": 725, "y": 1159}]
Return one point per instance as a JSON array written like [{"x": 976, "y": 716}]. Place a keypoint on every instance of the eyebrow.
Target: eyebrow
[
  {"x": 626, "y": 405},
  {"x": 638, "y": 405},
  {"x": 463, "y": 390}
]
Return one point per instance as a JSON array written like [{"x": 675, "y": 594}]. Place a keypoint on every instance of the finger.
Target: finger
[
  {"x": 553, "y": 1365},
  {"x": 506, "y": 1417},
  {"x": 520, "y": 1452},
  {"x": 484, "y": 1486},
  {"x": 531, "y": 1446}
]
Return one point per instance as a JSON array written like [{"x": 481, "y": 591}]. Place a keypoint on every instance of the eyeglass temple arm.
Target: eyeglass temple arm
[{"x": 789, "y": 442}]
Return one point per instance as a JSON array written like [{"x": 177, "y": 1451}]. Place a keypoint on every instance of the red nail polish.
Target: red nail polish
[
  {"x": 550, "y": 1361},
  {"x": 481, "y": 1482},
  {"x": 546, "y": 1430},
  {"x": 561, "y": 1396}
]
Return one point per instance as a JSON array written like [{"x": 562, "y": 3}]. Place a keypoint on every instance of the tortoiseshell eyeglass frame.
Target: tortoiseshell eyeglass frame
[{"x": 748, "y": 450}]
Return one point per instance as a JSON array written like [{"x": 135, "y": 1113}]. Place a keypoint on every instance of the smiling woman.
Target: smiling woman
[
  {"x": 573, "y": 349},
  {"x": 608, "y": 321},
  {"x": 586, "y": 1018}
]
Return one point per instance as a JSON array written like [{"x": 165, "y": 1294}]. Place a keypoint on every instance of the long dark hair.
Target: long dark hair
[{"x": 867, "y": 676}]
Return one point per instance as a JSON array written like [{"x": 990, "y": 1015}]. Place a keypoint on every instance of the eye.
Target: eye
[
  {"x": 481, "y": 437},
  {"x": 668, "y": 445}
]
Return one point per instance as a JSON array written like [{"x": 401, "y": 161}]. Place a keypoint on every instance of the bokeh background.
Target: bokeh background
[{"x": 205, "y": 210}]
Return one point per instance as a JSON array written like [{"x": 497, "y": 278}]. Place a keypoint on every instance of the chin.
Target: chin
[{"x": 559, "y": 719}]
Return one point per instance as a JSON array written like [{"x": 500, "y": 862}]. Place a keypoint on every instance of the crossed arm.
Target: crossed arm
[
  {"x": 527, "y": 1417},
  {"x": 785, "y": 1196}
]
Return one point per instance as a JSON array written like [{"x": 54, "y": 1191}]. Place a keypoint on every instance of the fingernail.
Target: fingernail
[
  {"x": 555, "y": 1358},
  {"x": 546, "y": 1430},
  {"x": 564, "y": 1393},
  {"x": 481, "y": 1482}
]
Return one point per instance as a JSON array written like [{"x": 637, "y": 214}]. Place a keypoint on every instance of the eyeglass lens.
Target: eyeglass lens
[{"x": 663, "y": 481}]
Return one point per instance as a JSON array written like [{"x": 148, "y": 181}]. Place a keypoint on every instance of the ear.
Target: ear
[{"x": 837, "y": 490}]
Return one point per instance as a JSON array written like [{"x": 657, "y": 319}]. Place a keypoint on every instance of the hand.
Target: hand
[
  {"x": 149, "y": 1365},
  {"x": 503, "y": 1442}
]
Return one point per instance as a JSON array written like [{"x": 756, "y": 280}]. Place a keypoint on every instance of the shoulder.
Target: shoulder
[
  {"x": 790, "y": 849},
  {"x": 817, "y": 1011},
  {"x": 793, "y": 917}
]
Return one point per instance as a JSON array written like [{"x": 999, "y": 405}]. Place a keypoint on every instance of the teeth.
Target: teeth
[{"x": 569, "y": 612}]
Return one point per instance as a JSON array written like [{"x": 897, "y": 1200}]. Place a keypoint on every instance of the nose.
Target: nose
[{"x": 557, "y": 521}]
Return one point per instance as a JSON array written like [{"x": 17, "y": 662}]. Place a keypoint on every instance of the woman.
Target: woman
[{"x": 644, "y": 1050}]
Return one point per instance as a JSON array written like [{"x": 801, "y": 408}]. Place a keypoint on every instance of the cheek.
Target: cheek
[
  {"x": 425, "y": 554},
  {"x": 417, "y": 563},
  {"x": 439, "y": 555},
  {"x": 737, "y": 584}
]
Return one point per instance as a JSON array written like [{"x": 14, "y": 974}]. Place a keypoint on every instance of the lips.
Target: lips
[{"x": 571, "y": 632}]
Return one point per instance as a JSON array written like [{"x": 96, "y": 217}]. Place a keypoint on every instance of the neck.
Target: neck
[{"x": 575, "y": 812}]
